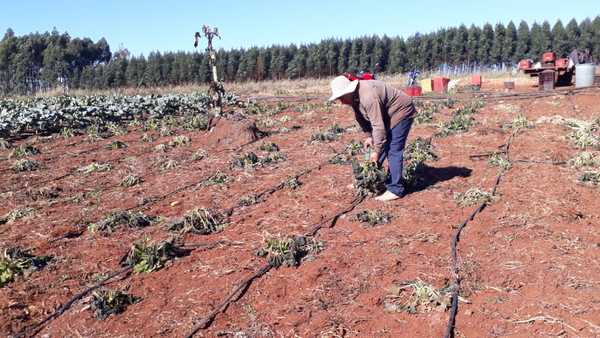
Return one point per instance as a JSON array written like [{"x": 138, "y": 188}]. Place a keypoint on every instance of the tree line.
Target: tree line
[{"x": 41, "y": 61}]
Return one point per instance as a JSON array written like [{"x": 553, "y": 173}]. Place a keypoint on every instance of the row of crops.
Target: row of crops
[{"x": 45, "y": 115}]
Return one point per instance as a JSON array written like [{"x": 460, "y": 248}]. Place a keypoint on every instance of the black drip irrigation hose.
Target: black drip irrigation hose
[
  {"x": 455, "y": 286},
  {"x": 243, "y": 285},
  {"x": 37, "y": 328}
]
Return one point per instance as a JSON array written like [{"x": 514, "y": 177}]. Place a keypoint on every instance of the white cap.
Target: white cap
[{"x": 341, "y": 86}]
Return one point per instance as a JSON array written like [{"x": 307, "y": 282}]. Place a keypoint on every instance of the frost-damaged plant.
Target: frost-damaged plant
[
  {"x": 373, "y": 217},
  {"x": 147, "y": 138},
  {"x": 585, "y": 134},
  {"x": 275, "y": 157},
  {"x": 115, "y": 129},
  {"x": 352, "y": 149},
  {"x": 146, "y": 257},
  {"x": 196, "y": 122},
  {"x": 67, "y": 133},
  {"x": 130, "y": 181},
  {"x": 289, "y": 250},
  {"x": 200, "y": 221},
  {"x": 585, "y": 159},
  {"x": 119, "y": 218},
  {"x": 416, "y": 297},
  {"x": 269, "y": 147},
  {"x": 169, "y": 164},
  {"x": 179, "y": 140},
  {"x": 499, "y": 160},
  {"x": 16, "y": 262},
  {"x": 24, "y": 150},
  {"x": 108, "y": 302},
  {"x": 4, "y": 144},
  {"x": 369, "y": 177},
  {"x": 161, "y": 148},
  {"x": 114, "y": 145},
  {"x": 93, "y": 133},
  {"x": 95, "y": 167},
  {"x": 460, "y": 122},
  {"x": 248, "y": 200},
  {"x": 425, "y": 112},
  {"x": 199, "y": 154},
  {"x": 472, "y": 197},
  {"x": 332, "y": 134},
  {"x": 25, "y": 165},
  {"x": 292, "y": 183},
  {"x": 218, "y": 178},
  {"x": 591, "y": 177},
  {"x": 248, "y": 160},
  {"x": 16, "y": 214},
  {"x": 519, "y": 123}
]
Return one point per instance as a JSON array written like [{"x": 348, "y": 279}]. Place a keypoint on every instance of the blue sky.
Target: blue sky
[{"x": 144, "y": 26}]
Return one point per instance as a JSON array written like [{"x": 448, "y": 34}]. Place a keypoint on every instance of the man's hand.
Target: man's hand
[
  {"x": 374, "y": 157},
  {"x": 368, "y": 142}
]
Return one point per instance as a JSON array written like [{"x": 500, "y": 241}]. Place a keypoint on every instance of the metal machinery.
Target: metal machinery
[{"x": 551, "y": 71}]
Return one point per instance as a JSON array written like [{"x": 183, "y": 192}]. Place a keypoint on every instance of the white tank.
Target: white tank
[{"x": 584, "y": 75}]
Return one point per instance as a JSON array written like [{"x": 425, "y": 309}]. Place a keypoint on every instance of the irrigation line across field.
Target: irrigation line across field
[
  {"x": 455, "y": 285},
  {"x": 237, "y": 292},
  {"x": 243, "y": 285},
  {"x": 37, "y": 328}
]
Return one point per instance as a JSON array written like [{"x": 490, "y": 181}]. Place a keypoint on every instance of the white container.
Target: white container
[{"x": 584, "y": 75}]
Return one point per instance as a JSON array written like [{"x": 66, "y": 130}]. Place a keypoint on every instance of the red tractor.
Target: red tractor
[{"x": 551, "y": 71}]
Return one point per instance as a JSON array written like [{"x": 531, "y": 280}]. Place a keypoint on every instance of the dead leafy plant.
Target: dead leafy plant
[
  {"x": 499, "y": 160},
  {"x": 16, "y": 262},
  {"x": 114, "y": 145},
  {"x": 217, "y": 179},
  {"x": 292, "y": 183},
  {"x": 269, "y": 147},
  {"x": 168, "y": 164},
  {"x": 130, "y": 181},
  {"x": 25, "y": 164},
  {"x": 369, "y": 177},
  {"x": 199, "y": 154},
  {"x": 4, "y": 144},
  {"x": 373, "y": 217},
  {"x": 289, "y": 250},
  {"x": 585, "y": 159},
  {"x": 16, "y": 214},
  {"x": 417, "y": 153},
  {"x": 472, "y": 197},
  {"x": 145, "y": 256},
  {"x": 590, "y": 177},
  {"x": 201, "y": 221},
  {"x": 179, "y": 140},
  {"x": 122, "y": 218},
  {"x": 416, "y": 297},
  {"x": 95, "y": 167},
  {"x": 248, "y": 200},
  {"x": 111, "y": 302},
  {"x": 24, "y": 150}
]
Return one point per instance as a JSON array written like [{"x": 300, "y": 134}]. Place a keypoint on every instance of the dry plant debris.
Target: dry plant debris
[
  {"x": 416, "y": 297},
  {"x": 289, "y": 250},
  {"x": 108, "y": 302},
  {"x": 146, "y": 257},
  {"x": 472, "y": 197}
]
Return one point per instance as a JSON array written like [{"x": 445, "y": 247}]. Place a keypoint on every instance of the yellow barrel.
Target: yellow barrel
[{"x": 426, "y": 85}]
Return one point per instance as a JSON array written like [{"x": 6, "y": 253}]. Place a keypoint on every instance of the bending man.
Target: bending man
[{"x": 385, "y": 115}]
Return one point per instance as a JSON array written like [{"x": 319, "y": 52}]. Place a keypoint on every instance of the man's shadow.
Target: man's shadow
[{"x": 430, "y": 176}]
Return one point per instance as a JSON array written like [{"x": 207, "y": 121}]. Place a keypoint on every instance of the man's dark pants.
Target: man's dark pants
[{"x": 394, "y": 151}]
